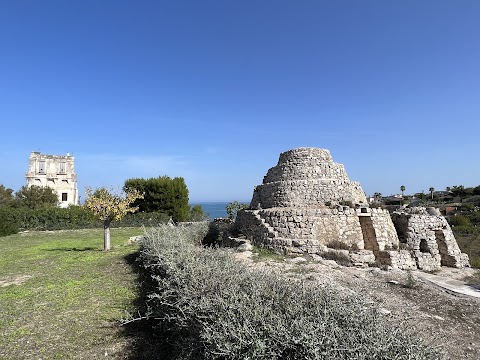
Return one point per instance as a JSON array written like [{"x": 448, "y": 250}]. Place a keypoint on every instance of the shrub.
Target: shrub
[
  {"x": 54, "y": 218},
  {"x": 211, "y": 307},
  {"x": 410, "y": 281},
  {"x": 150, "y": 219},
  {"x": 339, "y": 257},
  {"x": 336, "y": 244},
  {"x": 233, "y": 208},
  {"x": 7, "y": 223},
  {"x": 475, "y": 263},
  {"x": 460, "y": 220},
  {"x": 197, "y": 213},
  {"x": 73, "y": 217}
]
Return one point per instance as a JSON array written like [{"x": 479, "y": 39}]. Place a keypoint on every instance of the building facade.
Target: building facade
[{"x": 57, "y": 172}]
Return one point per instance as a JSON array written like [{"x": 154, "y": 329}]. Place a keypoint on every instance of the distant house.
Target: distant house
[
  {"x": 57, "y": 172},
  {"x": 450, "y": 210}
]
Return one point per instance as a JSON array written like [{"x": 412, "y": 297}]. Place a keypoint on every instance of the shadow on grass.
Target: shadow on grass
[
  {"x": 74, "y": 249},
  {"x": 146, "y": 342}
]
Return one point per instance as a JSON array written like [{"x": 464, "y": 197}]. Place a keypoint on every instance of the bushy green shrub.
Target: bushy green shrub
[
  {"x": 53, "y": 218},
  {"x": 210, "y": 306},
  {"x": 73, "y": 217},
  {"x": 460, "y": 220},
  {"x": 7, "y": 223},
  {"x": 337, "y": 244},
  {"x": 142, "y": 219},
  {"x": 197, "y": 213}
]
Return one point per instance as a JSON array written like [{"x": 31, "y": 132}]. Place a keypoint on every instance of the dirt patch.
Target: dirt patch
[
  {"x": 443, "y": 320},
  {"x": 14, "y": 280}
]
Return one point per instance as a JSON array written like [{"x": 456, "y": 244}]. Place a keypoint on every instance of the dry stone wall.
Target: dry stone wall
[
  {"x": 430, "y": 238},
  {"x": 306, "y": 177},
  {"x": 322, "y": 224},
  {"x": 307, "y": 204}
]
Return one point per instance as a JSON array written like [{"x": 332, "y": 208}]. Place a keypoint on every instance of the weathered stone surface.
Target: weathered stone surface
[
  {"x": 56, "y": 172},
  {"x": 134, "y": 239},
  {"x": 306, "y": 177},
  {"x": 362, "y": 256},
  {"x": 246, "y": 246},
  {"x": 430, "y": 237},
  {"x": 297, "y": 260},
  {"x": 307, "y": 204},
  {"x": 397, "y": 259}
]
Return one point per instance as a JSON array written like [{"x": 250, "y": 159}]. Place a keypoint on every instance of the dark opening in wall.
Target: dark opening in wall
[{"x": 424, "y": 246}]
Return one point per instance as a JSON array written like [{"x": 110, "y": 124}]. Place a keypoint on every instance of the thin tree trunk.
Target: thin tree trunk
[{"x": 106, "y": 235}]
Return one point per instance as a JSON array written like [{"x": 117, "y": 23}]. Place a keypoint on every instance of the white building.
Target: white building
[{"x": 56, "y": 172}]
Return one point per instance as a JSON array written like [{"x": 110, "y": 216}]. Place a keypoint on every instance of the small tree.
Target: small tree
[
  {"x": 431, "y": 192},
  {"x": 197, "y": 213},
  {"x": 402, "y": 189},
  {"x": 162, "y": 194},
  {"x": 233, "y": 208},
  {"x": 109, "y": 206}
]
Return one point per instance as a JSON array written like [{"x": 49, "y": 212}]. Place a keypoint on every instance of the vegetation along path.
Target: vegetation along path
[{"x": 62, "y": 297}]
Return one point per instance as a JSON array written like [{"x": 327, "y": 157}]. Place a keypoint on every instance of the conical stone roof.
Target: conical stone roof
[{"x": 307, "y": 177}]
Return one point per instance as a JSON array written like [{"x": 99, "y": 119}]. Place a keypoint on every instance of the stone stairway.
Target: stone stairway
[{"x": 271, "y": 233}]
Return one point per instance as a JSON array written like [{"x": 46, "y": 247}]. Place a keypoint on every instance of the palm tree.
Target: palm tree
[
  {"x": 402, "y": 189},
  {"x": 431, "y": 191}
]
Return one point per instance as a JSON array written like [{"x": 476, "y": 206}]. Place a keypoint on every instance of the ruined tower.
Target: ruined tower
[{"x": 57, "y": 172}]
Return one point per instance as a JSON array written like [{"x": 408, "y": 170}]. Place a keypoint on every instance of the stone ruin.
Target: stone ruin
[
  {"x": 429, "y": 236},
  {"x": 307, "y": 204}
]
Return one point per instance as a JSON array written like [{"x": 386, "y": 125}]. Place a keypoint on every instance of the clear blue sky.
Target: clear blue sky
[{"x": 213, "y": 91}]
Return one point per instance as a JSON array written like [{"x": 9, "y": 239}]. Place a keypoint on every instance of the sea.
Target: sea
[{"x": 214, "y": 209}]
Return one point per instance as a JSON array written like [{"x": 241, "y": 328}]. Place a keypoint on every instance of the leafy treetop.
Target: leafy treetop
[
  {"x": 6, "y": 196},
  {"x": 108, "y": 205},
  {"x": 233, "y": 208},
  {"x": 162, "y": 194},
  {"x": 35, "y": 197}
]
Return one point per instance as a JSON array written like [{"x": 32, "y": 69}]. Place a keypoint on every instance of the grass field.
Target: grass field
[
  {"x": 470, "y": 245},
  {"x": 62, "y": 297}
]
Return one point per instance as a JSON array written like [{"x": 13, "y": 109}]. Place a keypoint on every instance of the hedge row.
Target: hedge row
[
  {"x": 209, "y": 306},
  {"x": 13, "y": 220}
]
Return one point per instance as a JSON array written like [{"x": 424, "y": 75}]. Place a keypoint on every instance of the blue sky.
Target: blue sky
[{"x": 213, "y": 91}]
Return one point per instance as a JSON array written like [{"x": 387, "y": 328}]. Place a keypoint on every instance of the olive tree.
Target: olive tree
[{"x": 108, "y": 206}]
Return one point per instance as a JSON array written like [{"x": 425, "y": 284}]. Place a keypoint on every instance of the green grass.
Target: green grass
[
  {"x": 264, "y": 254},
  {"x": 62, "y": 297},
  {"x": 469, "y": 244}
]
